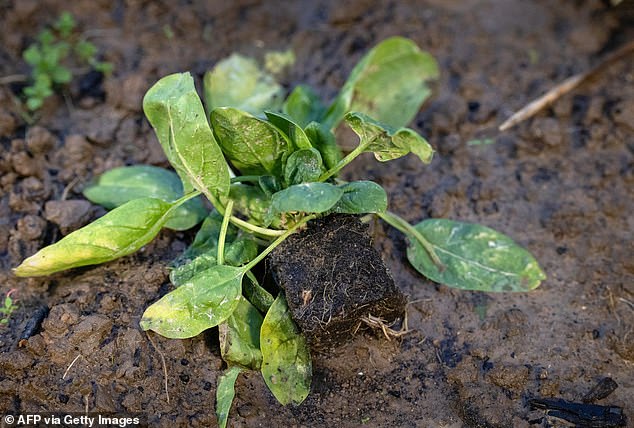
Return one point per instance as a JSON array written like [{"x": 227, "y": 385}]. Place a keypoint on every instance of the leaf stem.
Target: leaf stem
[
  {"x": 180, "y": 201},
  {"x": 257, "y": 230},
  {"x": 402, "y": 225},
  {"x": 278, "y": 241},
  {"x": 245, "y": 225},
  {"x": 223, "y": 233},
  {"x": 343, "y": 162}
]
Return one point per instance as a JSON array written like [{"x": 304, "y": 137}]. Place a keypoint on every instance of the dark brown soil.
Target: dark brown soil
[
  {"x": 560, "y": 184},
  {"x": 333, "y": 278}
]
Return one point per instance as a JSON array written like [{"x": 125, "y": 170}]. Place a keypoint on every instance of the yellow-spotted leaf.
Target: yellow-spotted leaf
[
  {"x": 286, "y": 362},
  {"x": 120, "y": 232},
  {"x": 202, "y": 302},
  {"x": 473, "y": 257}
]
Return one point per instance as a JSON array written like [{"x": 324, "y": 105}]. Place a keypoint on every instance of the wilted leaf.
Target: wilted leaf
[
  {"x": 307, "y": 197},
  {"x": 388, "y": 84},
  {"x": 120, "y": 232},
  {"x": 203, "y": 302},
  {"x": 292, "y": 130},
  {"x": 252, "y": 145},
  {"x": 303, "y": 166},
  {"x": 387, "y": 143},
  {"x": 303, "y": 105},
  {"x": 361, "y": 197},
  {"x": 123, "y": 184},
  {"x": 225, "y": 393},
  {"x": 173, "y": 108},
  {"x": 474, "y": 258},
  {"x": 239, "y": 82},
  {"x": 286, "y": 362},
  {"x": 240, "y": 336}
]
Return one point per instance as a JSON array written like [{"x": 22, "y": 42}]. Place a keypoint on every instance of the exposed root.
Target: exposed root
[
  {"x": 388, "y": 332},
  {"x": 167, "y": 394}
]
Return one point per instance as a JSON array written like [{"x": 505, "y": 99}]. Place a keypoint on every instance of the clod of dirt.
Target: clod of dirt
[
  {"x": 69, "y": 215},
  {"x": 332, "y": 278}
]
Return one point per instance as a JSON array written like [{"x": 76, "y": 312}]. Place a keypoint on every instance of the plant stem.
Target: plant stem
[
  {"x": 278, "y": 241},
  {"x": 402, "y": 225},
  {"x": 223, "y": 233},
  {"x": 244, "y": 225},
  {"x": 343, "y": 162},
  {"x": 257, "y": 230}
]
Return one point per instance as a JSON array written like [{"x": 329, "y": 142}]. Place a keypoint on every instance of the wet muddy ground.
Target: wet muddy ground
[{"x": 559, "y": 184}]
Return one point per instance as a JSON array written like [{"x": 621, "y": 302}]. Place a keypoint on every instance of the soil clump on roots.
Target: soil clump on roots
[{"x": 332, "y": 278}]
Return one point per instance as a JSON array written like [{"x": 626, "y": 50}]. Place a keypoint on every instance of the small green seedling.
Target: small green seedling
[
  {"x": 269, "y": 165},
  {"x": 7, "y": 308},
  {"x": 49, "y": 56}
]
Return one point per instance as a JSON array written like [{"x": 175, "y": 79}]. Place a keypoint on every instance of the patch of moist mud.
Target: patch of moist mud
[{"x": 333, "y": 278}]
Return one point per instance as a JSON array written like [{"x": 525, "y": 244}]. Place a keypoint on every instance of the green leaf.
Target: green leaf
[
  {"x": 286, "y": 363},
  {"x": 123, "y": 184},
  {"x": 304, "y": 106},
  {"x": 361, "y": 197},
  {"x": 256, "y": 294},
  {"x": 303, "y": 166},
  {"x": 389, "y": 84},
  {"x": 65, "y": 24},
  {"x": 474, "y": 258},
  {"x": 225, "y": 393},
  {"x": 292, "y": 130},
  {"x": 240, "y": 337},
  {"x": 85, "y": 50},
  {"x": 306, "y": 197},
  {"x": 32, "y": 55},
  {"x": 120, "y": 232},
  {"x": 239, "y": 82},
  {"x": 253, "y": 203},
  {"x": 46, "y": 37},
  {"x": 34, "y": 103},
  {"x": 237, "y": 253},
  {"x": 269, "y": 184},
  {"x": 177, "y": 115},
  {"x": 186, "y": 271},
  {"x": 203, "y": 302},
  {"x": 252, "y": 145},
  {"x": 241, "y": 251},
  {"x": 61, "y": 74},
  {"x": 323, "y": 140},
  {"x": 277, "y": 61},
  {"x": 387, "y": 143},
  {"x": 206, "y": 240}
]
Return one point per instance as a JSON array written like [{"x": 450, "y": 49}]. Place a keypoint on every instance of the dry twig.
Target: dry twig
[
  {"x": 563, "y": 88},
  {"x": 70, "y": 365}
]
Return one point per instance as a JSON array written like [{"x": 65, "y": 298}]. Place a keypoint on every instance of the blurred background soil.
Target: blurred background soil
[{"x": 560, "y": 184}]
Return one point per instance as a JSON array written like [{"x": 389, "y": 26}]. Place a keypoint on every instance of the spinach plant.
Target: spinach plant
[
  {"x": 269, "y": 165},
  {"x": 48, "y": 55}
]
